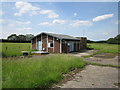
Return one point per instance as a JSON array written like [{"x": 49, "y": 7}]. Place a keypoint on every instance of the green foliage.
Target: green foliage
[
  {"x": 115, "y": 40},
  {"x": 0, "y": 73},
  {"x": 87, "y": 56},
  {"x": 38, "y": 72},
  {"x": 14, "y": 49},
  {"x": 13, "y": 37},
  {"x": 26, "y": 37},
  {"x": 112, "y": 41},
  {"x": 105, "y": 48},
  {"x": 89, "y": 41}
]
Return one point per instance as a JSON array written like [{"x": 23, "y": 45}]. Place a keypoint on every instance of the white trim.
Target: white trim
[
  {"x": 47, "y": 43},
  {"x": 53, "y": 45},
  {"x": 60, "y": 45},
  {"x": 41, "y": 40},
  {"x": 36, "y": 43}
]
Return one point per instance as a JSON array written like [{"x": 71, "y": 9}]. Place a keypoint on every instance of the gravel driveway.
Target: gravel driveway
[{"x": 93, "y": 77}]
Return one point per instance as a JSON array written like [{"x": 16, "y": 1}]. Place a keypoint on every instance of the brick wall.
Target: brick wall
[
  {"x": 44, "y": 42},
  {"x": 34, "y": 44},
  {"x": 57, "y": 45},
  {"x": 83, "y": 42}
]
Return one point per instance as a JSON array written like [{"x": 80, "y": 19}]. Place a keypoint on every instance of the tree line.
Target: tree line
[
  {"x": 14, "y": 37},
  {"x": 28, "y": 37},
  {"x": 115, "y": 40}
]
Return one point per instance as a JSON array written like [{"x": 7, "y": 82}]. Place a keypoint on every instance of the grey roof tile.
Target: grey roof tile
[{"x": 60, "y": 36}]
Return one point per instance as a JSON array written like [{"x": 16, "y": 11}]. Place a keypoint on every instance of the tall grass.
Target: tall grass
[
  {"x": 0, "y": 67},
  {"x": 14, "y": 49},
  {"x": 105, "y": 48},
  {"x": 0, "y": 73},
  {"x": 38, "y": 72}
]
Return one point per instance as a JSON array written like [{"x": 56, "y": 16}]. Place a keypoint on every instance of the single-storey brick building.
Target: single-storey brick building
[{"x": 58, "y": 43}]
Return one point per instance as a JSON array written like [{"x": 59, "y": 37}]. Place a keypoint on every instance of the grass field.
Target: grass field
[
  {"x": 14, "y": 49},
  {"x": 0, "y": 73},
  {"x": 105, "y": 48},
  {"x": 38, "y": 72}
]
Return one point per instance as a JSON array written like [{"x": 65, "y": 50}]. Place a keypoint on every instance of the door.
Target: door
[
  {"x": 71, "y": 46},
  {"x": 39, "y": 45}
]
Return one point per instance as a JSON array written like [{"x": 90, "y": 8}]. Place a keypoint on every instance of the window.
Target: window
[{"x": 50, "y": 44}]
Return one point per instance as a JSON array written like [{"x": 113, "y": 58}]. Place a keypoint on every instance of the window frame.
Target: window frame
[{"x": 49, "y": 44}]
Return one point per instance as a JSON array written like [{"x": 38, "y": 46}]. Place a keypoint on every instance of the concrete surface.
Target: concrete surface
[
  {"x": 103, "y": 58},
  {"x": 112, "y": 61},
  {"x": 93, "y": 77},
  {"x": 84, "y": 53}
]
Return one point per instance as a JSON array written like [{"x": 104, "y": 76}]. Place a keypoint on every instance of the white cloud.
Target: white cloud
[
  {"x": 78, "y": 23},
  {"x": 11, "y": 25},
  {"x": 75, "y": 14},
  {"x": 102, "y": 17},
  {"x": 45, "y": 24},
  {"x": 23, "y": 23},
  {"x": 53, "y": 15},
  {"x": 105, "y": 34},
  {"x": 50, "y": 13},
  {"x": 1, "y": 12},
  {"x": 25, "y": 7},
  {"x": 24, "y": 28},
  {"x": 117, "y": 22},
  {"x": 57, "y": 21},
  {"x": 2, "y": 21},
  {"x": 46, "y": 11}
]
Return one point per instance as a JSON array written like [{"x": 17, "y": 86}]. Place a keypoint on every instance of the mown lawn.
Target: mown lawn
[
  {"x": 14, "y": 49},
  {"x": 105, "y": 48},
  {"x": 38, "y": 72}
]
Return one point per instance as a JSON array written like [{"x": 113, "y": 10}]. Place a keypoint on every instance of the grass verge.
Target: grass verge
[
  {"x": 87, "y": 56},
  {"x": 38, "y": 72},
  {"x": 14, "y": 49},
  {"x": 98, "y": 64},
  {"x": 105, "y": 48}
]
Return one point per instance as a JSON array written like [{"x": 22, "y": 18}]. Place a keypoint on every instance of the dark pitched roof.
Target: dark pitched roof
[{"x": 60, "y": 36}]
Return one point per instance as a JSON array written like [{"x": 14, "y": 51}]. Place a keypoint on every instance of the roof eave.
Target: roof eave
[{"x": 54, "y": 36}]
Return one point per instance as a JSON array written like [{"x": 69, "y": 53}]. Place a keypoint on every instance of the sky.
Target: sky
[{"x": 94, "y": 20}]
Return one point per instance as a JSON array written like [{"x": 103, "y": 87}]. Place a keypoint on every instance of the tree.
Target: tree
[
  {"x": 112, "y": 41},
  {"x": 29, "y": 37},
  {"x": 21, "y": 37},
  {"x": 13, "y": 37}
]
